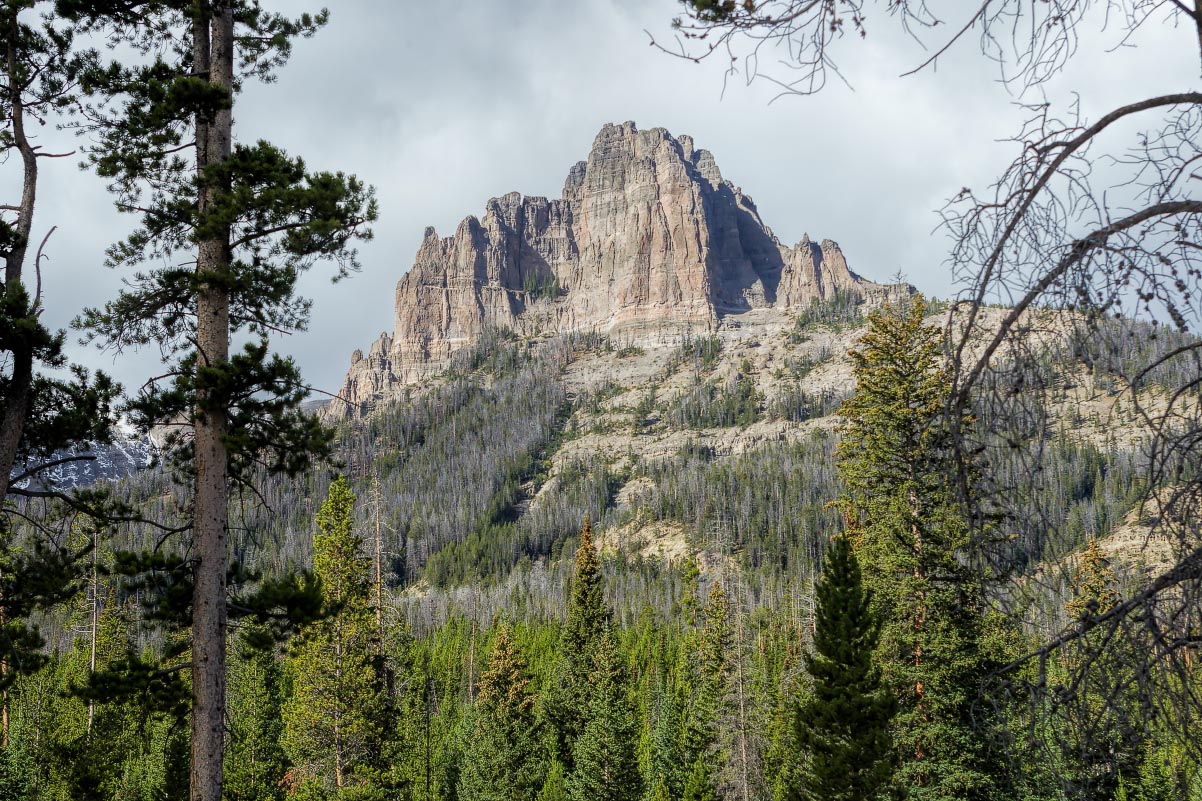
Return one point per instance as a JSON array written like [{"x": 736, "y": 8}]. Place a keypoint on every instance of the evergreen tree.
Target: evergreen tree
[
  {"x": 503, "y": 760},
  {"x": 233, "y": 226},
  {"x": 44, "y": 407},
  {"x": 39, "y": 413},
  {"x": 660, "y": 790},
  {"x": 176, "y": 783},
  {"x": 255, "y": 763},
  {"x": 92, "y": 741},
  {"x": 700, "y": 784},
  {"x": 1093, "y": 584},
  {"x": 844, "y": 725},
  {"x": 781, "y": 757},
  {"x": 665, "y": 769},
  {"x": 606, "y": 754},
  {"x": 568, "y": 698},
  {"x": 554, "y": 788},
  {"x": 916, "y": 551},
  {"x": 701, "y": 731},
  {"x": 587, "y": 612},
  {"x": 334, "y": 719},
  {"x": 1105, "y": 732}
]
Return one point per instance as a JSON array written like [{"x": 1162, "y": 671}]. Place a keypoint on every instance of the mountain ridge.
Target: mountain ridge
[{"x": 648, "y": 242}]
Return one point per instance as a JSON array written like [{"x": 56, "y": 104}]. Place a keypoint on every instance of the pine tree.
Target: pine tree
[
  {"x": 660, "y": 790},
  {"x": 40, "y": 413},
  {"x": 568, "y": 698},
  {"x": 843, "y": 726},
  {"x": 587, "y": 612},
  {"x": 230, "y": 227},
  {"x": 255, "y": 763},
  {"x": 1093, "y": 584},
  {"x": 503, "y": 760},
  {"x": 101, "y": 746},
  {"x": 554, "y": 788},
  {"x": 916, "y": 551},
  {"x": 1105, "y": 731},
  {"x": 700, "y": 785},
  {"x": 701, "y": 730},
  {"x": 44, "y": 407},
  {"x": 606, "y": 754},
  {"x": 334, "y": 718},
  {"x": 665, "y": 769}
]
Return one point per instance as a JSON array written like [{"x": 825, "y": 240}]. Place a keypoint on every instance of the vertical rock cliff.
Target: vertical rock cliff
[{"x": 648, "y": 240}]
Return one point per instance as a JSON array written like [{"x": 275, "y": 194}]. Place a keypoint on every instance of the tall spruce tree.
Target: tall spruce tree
[
  {"x": 916, "y": 551},
  {"x": 843, "y": 726},
  {"x": 230, "y": 227},
  {"x": 503, "y": 760},
  {"x": 568, "y": 698},
  {"x": 255, "y": 763},
  {"x": 554, "y": 786},
  {"x": 711, "y": 669},
  {"x": 606, "y": 753},
  {"x": 96, "y": 744},
  {"x": 335, "y": 719},
  {"x": 665, "y": 771},
  {"x": 699, "y": 786}
]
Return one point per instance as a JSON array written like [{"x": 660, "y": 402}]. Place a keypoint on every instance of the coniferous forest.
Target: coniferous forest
[{"x": 885, "y": 547}]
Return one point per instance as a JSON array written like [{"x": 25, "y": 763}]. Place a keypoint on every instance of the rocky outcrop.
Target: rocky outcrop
[{"x": 648, "y": 240}]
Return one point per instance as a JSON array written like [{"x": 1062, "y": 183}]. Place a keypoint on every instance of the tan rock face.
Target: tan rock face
[{"x": 648, "y": 242}]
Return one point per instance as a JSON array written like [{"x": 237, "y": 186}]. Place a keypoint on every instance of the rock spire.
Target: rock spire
[{"x": 648, "y": 240}]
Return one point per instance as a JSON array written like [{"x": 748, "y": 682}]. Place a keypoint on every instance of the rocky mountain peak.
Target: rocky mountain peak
[{"x": 648, "y": 240}]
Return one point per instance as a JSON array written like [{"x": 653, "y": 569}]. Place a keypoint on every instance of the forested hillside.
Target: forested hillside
[{"x": 704, "y": 473}]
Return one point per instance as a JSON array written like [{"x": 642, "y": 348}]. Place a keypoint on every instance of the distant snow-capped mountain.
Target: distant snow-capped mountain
[{"x": 125, "y": 455}]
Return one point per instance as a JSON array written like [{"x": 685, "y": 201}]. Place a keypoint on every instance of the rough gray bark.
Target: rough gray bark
[{"x": 214, "y": 48}]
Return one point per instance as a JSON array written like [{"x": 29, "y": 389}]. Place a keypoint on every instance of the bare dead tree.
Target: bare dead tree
[{"x": 1081, "y": 269}]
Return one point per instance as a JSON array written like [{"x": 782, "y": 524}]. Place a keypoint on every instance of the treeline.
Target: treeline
[{"x": 716, "y": 701}]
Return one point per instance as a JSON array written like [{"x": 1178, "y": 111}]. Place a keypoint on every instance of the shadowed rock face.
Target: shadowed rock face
[{"x": 648, "y": 241}]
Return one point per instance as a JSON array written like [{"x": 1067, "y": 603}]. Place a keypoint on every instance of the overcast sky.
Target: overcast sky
[{"x": 443, "y": 105}]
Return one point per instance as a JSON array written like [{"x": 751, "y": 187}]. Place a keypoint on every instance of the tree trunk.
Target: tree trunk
[
  {"x": 744, "y": 771},
  {"x": 95, "y": 624},
  {"x": 19, "y": 395},
  {"x": 919, "y": 624},
  {"x": 1198, "y": 27},
  {"x": 20, "y": 392},
  {"x": 214, "y": 49},
  {"x": 375, "y": 491}
]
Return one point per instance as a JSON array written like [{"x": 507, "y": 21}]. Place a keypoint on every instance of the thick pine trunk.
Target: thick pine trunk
[{"x": 214, "y": 43}]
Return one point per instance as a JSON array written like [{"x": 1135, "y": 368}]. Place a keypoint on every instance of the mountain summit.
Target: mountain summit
[{"x": 649, "y": 241}]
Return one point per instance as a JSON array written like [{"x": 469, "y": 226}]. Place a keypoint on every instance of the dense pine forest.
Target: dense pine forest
[{"x": 476, "y": 629}]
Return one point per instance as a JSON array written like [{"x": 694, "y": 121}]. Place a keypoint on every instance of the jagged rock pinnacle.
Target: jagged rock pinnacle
[{"x": 648, "y": 240}]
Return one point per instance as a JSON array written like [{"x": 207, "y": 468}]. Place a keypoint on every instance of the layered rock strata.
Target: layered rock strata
[{"x": 648, "y": 241}]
